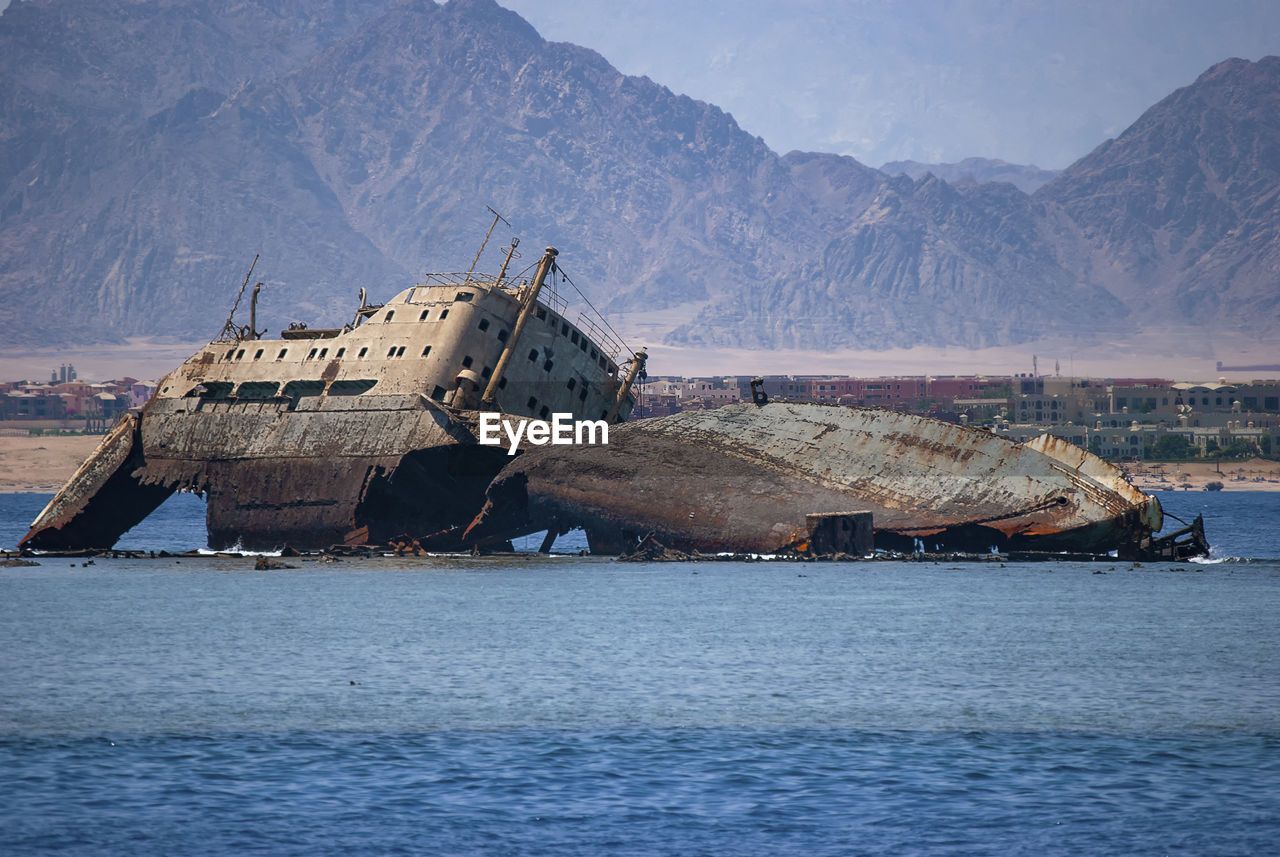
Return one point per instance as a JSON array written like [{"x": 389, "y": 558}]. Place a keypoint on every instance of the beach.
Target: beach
[
  {"x": 1256, "y": 474},
  {"x": 39, "y": 463}
]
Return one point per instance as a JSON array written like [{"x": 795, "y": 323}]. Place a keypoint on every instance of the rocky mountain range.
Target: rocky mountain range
[
  {"x": 1024, "y": 177},
  {"x": 150, "y": 148}
]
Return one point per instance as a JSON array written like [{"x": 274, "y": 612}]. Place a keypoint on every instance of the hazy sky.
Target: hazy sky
[
  {"x": 1030, "y": 81},
  {"x": 1036, "y": 81}
]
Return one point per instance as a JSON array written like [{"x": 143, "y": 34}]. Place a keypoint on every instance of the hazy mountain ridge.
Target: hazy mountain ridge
[
  {"x": 363, "y": 153},
  {"x": 1185, "y": 205},
  {"x": 1027, "y": 178}
]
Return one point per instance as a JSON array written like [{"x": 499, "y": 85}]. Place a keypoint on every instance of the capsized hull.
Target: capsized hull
[{"x": 743, "y": 478}]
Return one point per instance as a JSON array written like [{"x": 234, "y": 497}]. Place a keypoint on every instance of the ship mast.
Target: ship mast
[
  {"x": 545, "y": 265},
  {"x": 480, "y": 252},
  {"x": 637, "y": 366}
]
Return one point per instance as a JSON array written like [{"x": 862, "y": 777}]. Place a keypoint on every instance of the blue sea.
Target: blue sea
[{"x": 573, "y": 705}]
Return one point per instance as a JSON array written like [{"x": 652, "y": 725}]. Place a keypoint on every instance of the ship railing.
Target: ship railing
[
  {"x": 590, "y": 324},
  {"x": 461, "y": 279},
  {"x": 553, "y": 299},
  {"x": 603, "y": 338},
  {"x": 515, "y": 285}
]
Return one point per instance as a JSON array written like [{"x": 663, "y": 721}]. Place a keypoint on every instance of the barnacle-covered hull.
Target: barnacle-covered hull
[{"x": 744, "y": 478}]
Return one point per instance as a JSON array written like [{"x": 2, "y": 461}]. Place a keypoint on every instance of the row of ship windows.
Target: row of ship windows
[
  {"x": 271, "y": 389},
  {"x": 444, "y": 313},
  {"x": 576, "y": 338},
  {"x": 318, "y": 353},
  {"x": 322, "y": 353}
]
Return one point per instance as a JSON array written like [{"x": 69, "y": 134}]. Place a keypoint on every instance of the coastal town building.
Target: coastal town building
[{"x": 67, "y": 399}]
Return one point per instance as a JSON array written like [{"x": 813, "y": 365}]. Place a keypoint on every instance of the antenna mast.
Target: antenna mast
[
  {"x": 230, "y": 333},
  {"x": 492, "y": 226}
]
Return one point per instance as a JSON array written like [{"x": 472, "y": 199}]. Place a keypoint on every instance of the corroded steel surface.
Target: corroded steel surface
[{"x": 743, "y": 477}]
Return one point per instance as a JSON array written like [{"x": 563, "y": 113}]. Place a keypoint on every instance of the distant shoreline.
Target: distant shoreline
[
  {"x": 43, "y": 463},
  {"x": 1234, "y": 475}
]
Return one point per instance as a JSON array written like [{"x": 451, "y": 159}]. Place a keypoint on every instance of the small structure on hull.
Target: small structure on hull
[
  {"x": 351, "y": 435},
  {"x": 751, "y": 478}
]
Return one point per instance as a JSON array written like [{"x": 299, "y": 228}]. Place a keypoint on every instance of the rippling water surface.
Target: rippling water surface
[{"x": 574, "y": 705}]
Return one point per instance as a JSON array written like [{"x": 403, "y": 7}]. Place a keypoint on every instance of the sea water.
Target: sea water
[{"x": 574, "y": 705}]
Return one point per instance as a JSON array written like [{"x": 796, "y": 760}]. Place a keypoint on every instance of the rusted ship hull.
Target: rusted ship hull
[
  {"x": 274, "y": 477},
  {"x": 744, "y": 478}
]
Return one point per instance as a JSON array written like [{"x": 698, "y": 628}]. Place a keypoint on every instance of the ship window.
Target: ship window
[
  {"x": 257, "y": 355},
  {"x": 484, "y": 324},
  {"x": 444, "y": 313},
  {"x": 425, "y": 313},
  {"x": 466, "y": 362},
  {"x": 502, "y": 383},
  {"x": 390, "y": 315},
  {"x": 341, "y": 351},
  {"x": 257, "y": 390},
  {"x": 541, "y": 313},
  {"x": 546, "y": 367},
  {"x": 486, "y": 372},
  {"x": 582, "y": 397},
  {"x": 312, "y": 353},
  {"x": 532, "y": 403},
  {"x": 400, "y": 351},
  {"x": 323, "y": 353},
  {"x": 571, "y": 383},
  {"x": 212, "y": 390},
  {"x": 464, "y": 297},
  {"x": 295, "y": 389},
  {"x": 352, "y": 387},
  {"x": 583, "y": 345},
  {"x": 573, "y": 337},
  {"x": 392, "y": 352},
  {"x": 594, "y": 354},
  {"x": 438, "y": 393},
  {"x": 533, "y": 355},
  {"x": 363, "y": 352},
  {"x": 604, "y": 364},
  {"x": 544, "y": 411},
  {"x": 564, "y": 329},
  {"x": 283, "y": 352},
  {"x": 230, "y": 354},
  {"x": 426, "y": 351},
  {"x": 240, "y": 354},
  {"x": 503, "y": 334}
]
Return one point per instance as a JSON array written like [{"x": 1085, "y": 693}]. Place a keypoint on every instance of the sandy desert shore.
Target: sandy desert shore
[
  {"x": 43, "y": 463},
  {"x": 1257, "y": 474}
]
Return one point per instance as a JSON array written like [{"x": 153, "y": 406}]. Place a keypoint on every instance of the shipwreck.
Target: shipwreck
[
  {"x": 351, "y": 435},
  {"x": 758, "y": 477},
  {"x": 373, "y": 434}
]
